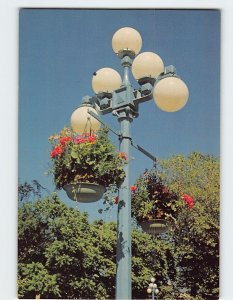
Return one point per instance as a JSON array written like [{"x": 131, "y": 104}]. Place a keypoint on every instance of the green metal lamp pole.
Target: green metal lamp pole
[
  {"x": 119, "y": 98},
  {"x": 125, "y": 117},
  {"x": 123, "y": 277}
]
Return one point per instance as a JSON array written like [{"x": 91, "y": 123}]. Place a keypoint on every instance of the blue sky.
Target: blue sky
[{"x": 60, "y": 49}]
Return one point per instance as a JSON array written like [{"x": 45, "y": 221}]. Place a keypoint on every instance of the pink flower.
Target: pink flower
[
  {"x": 79, "y": 140},
  {"x": 85, "y": 138}
]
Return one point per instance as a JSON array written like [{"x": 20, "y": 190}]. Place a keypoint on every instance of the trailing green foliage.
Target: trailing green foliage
[{"x": 89, "y": 158}]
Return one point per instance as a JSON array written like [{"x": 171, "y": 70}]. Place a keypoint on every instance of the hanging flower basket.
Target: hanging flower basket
[
  {"x": 86, "y": 166},
  {"x": 152, "y": 203},
  {"x": 154, "y": 206},
  {"x": 154, "y": 226},
  {"x": 84, "y": 192}
]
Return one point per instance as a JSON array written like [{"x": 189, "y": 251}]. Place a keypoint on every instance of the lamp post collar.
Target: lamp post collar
[
  {"x": 126, "y": 63},
  {"x": 126, "y": 52}
]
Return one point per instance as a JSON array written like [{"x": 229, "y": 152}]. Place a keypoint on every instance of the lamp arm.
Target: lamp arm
[
  {"x": 119, "y": 134},
  {"x": 139, "y": 98},
  {"x": 142, "y": 99}
]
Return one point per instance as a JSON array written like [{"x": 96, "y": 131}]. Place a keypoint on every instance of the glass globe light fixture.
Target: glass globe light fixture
[
  {"x": 82, "y": 122},
  {"x": 170, "y": 94},
  {"x": 154, "y": 285},
  {"x": 126, "y": 38},
  {"x": 149, "y": 290},
  {"x": 106, "y": 80},
  {"x": 156, "y": 291},
  {"x": 151, "y": 285},
  {"x": 152, "y": 279},
  {"x": 147, "y": 64}
]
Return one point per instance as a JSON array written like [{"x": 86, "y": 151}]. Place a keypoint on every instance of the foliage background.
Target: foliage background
[{"x": 64, "y": 256}]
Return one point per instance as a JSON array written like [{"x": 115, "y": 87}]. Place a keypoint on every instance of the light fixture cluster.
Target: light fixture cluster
[
  {"x": 153, "y": 289},
  {"x": 156, "y": 81}
]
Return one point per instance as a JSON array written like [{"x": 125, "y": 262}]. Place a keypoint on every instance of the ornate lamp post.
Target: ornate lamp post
[
  {"x": 117, "y": 96},
  {"x": 153, "y": 289}
]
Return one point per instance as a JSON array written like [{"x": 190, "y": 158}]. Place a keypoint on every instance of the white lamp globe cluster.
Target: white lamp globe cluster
[
  {"x": 170, "y": 93},
  {"x": 152, "y": 287}
]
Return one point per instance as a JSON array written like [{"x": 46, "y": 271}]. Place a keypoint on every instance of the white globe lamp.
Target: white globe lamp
[
  {"x": 147, "y": 64},
  {"x": 82, "y": 122},
  {"x": 126, "y": 38},
  {"x": 106, "y": 80},
  {"x": 171, "y": 94}
]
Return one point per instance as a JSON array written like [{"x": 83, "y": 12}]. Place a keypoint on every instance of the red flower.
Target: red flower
[
  {"x": 122, "y": 155},
  {"x": 91, "y": 138},
  {"x": 189, "y": 200},
  {"x": 58, "y": 150},
  {"x": 65, "y": 139},
  {"x": 133, "y": 188},
  {"x": 116, "y": 199}
]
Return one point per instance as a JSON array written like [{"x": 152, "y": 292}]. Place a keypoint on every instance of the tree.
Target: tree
[
  {"x": 59, "y": 238},
  {"x": 196, "y": 232},
  {"x": 28, "y": 190},
  {"x": 35, "y": 281},
  {"x": 77, "y": 258}
]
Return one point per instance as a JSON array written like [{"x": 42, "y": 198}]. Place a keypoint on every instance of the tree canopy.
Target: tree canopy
[
  {"x": 77, "y": 259},
  {"x": 62, "y": 255},
  {"x": 196, "y": 232}
]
